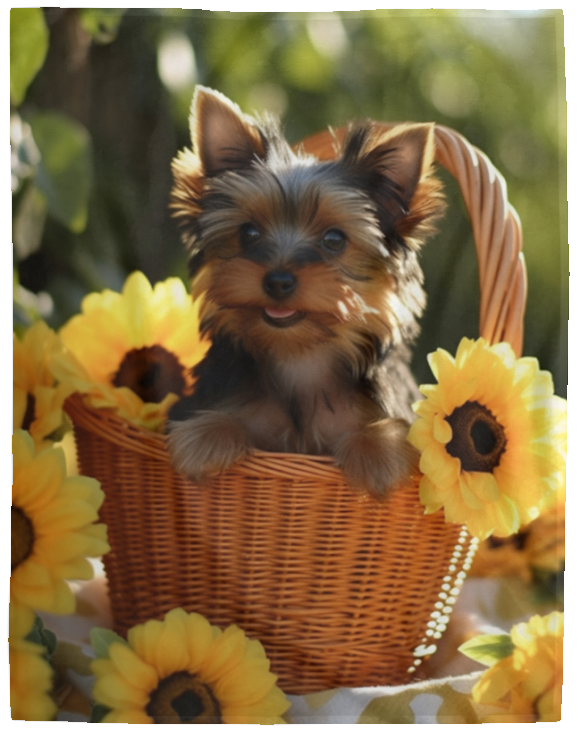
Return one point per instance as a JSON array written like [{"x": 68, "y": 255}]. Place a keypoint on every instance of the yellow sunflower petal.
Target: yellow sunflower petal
[
  {"x": 38, "y": 479},
  {"x": 37, "y": 396},
  {"x": 529, "y": 681},
  {"x": 30, "y": 683},
  {"x": 60, "y": 516},
  {"x": 430, "y": 391},
  {"x": 505, "y": 353},
  {"x": 155, "y": 327},
  {"x": 21, "y": 619},
  {"x": 72, "y": 546},
  {"x": 419, "y": 434},
  {"x": 144, "y": 638},
  {"x": 234, "y": 669},
  {"x": 542, "y": 677},
  {"x": 457, "y": 390},
  {"x": 532, "y": 383},
  {"x": 506, "y": 517},
  {"x": 171, "y": 652},
  {"x": 137, "y": 294},
  {"x": 549, "y": 705},
  {"x": 133, "y": 669},
  {"x": 48, "y": 416},
  {"x": 54, "y": 596},
  {"x": 113, "y": 690},
  {"x": 79, "y": 568},
  {"x": 127, "y": 716},
  {"x": 226, "y": 653},
  {"x": 513, "y": 457},
  {"x": 266, "y": 711},
  {"x": 57, "y": 546},
  {"x": 254, "y": 651},
  {"x": 198, "y": 639},
  {"x": 430, "y": 496},
  {"x": 442, "y": 364},
  {"x": 467, "y": 490},
  {"x": 441, "y": 468},
  {"x": 248, "y": 686},
  {"x": 495, "y": 683},
  {"x": 442, "y": 430},
  {"x": 484, "y": 486},
  {"x": 33, "y": 574},
  {"x": 57, "y": 598}
]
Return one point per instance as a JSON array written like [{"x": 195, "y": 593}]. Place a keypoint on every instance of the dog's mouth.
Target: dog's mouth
[{"x": 282, "y": 318}]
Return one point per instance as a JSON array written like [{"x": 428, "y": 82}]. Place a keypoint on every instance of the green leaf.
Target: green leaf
[
  {"x": 102, "y": 638},
  {"x": 64, "y": 173},
  {"x": 98, "y": 712},
  {"x": 28, "y": 47},
  {"x": 488, "y": 649},
  {"x": 101, "y": 23},
  {"x": 42, "y": 636},
  {"x": 29, "y": 222}
]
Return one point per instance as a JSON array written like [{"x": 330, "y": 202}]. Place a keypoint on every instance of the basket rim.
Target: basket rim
[{"x": 116, "y": 429}]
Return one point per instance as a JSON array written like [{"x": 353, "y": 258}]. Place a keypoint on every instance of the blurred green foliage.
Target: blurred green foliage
[
  {"x": 64, "y": 171},
  {"x": 28, "y": 46},
  {"x": 100, "y": 102}
]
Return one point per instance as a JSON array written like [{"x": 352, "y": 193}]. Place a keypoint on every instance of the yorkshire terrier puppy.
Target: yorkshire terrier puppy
[{"x": 310, "y": 291}]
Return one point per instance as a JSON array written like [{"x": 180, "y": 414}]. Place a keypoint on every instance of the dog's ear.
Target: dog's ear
[
  {"x": 223, "y": 137},
  {"x": 394, "y": 167}
]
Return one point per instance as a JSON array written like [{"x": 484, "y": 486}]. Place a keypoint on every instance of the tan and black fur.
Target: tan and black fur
[{"x": 310, "y": 292}]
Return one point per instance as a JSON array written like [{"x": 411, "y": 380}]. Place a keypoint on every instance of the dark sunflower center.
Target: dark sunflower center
[
  {"x": 517, "y": 541},
  {"x": 478, "y": 439},
  {"x": 182, "y": 699},
  {"x": 30, "y": 412},
  {"x": 151, "y": 372},
  {"x": 22, "y": 537}
]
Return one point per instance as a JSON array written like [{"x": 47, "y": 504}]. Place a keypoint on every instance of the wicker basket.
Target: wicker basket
[{"x": 341, "y": 589}]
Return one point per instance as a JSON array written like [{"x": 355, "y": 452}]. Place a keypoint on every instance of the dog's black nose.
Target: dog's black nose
[{"x": 279, "y": 284}]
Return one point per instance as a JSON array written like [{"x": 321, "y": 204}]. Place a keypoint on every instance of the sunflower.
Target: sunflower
[
  {"x": 184, "y": 670},
  {"x": 527, "y": 684},
  {"x": 30, "y": 673},
  {"x": 133, "y": 351},
  {"x": 537, "y": 548},
  {"x": 492, "y": 438},
  {"x": 53, "y": 527},
  {"x": 38, "y": 399}
]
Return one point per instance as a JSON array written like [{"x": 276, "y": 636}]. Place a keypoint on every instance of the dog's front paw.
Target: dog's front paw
[
  {"x": 378, "y": 458},
  {"x": 206, "y": 444}
]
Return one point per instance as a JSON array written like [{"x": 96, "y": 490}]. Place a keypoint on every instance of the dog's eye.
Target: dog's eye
[
  {"x": 334, "y": 240},
  {"x": 249, "y": 234}
]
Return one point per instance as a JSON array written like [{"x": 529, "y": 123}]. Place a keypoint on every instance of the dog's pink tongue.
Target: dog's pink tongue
[{"x": 279, "y": 313}]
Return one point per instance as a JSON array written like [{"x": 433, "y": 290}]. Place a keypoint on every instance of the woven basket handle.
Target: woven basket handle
[{"x": 495, "y": 223}]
